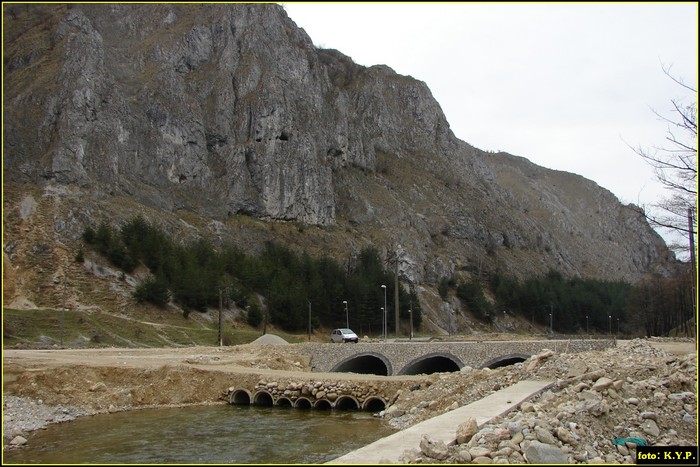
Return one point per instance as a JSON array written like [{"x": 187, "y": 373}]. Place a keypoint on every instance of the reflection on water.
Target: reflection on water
[{"x": 211, "y": 434}]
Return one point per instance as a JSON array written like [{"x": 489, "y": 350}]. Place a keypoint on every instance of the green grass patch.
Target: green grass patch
[{"x": 92, "y": 329}]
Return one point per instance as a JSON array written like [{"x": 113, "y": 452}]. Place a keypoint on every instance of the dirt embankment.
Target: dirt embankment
[
  {"x": 48, "y": 386},
  {"x": 100, "y": 378}
]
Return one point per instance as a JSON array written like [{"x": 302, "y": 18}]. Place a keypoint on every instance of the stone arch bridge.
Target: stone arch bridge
[
  {"x": 413, "y": 358},
  {"x": 381, "y": 359}
]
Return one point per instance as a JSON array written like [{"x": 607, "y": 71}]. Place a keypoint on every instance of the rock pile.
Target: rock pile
[{"x": 603, "y": 405}]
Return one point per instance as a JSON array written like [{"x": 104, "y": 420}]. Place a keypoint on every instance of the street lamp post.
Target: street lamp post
[
  {"x": 347, "y": 316},
  {"x": 587, "y": 325},
  {"x": 551, "y": 321},
  {"x": 618, "y": 326},
  {"x": 383, "y": 324},
  {"x": 386, "y": 331},
  {"x": 410, "y": 314},
  {"x": 609, "y": 325}
]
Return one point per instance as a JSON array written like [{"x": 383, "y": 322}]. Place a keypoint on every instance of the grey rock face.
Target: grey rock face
[{"x": 230, "y": 109}]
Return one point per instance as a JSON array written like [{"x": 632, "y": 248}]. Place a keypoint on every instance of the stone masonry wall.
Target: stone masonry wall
[
  {"x": 371, "y": 393},
  {"x": 474, "y": 354}
]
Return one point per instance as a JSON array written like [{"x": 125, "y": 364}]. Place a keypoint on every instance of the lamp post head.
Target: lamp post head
[{"x": 383, "y": 286}]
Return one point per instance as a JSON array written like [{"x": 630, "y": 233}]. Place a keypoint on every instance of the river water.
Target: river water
[{"x": 220, "y": 434}]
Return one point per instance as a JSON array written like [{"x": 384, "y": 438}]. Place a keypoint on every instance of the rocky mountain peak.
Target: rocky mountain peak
[{"x": 226, "y": 118}]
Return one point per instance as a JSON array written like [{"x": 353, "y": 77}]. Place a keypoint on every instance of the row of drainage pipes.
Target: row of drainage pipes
[{"x": 344, "y": 402}]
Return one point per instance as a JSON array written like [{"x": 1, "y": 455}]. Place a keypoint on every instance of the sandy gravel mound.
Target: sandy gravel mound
[{"x": 269, "y": 339}]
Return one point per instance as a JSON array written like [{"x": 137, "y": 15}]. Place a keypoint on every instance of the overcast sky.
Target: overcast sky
[{"x": 568, "y": 86}]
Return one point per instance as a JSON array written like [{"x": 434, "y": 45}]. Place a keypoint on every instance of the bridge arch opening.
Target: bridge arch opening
[
  {"x": 283, "y": 402},
  {"x": 263, "y": 398},
  {"x": 323, "y": 404},
  {"x": 374, "y": 404},
  {"x": 438, "y": 362},
  {"x": 366, "y": 364},
  {"x": 303, "y": 403},
  {"x": 505, "y": 360},
  {"x": 240, "y": 397},
  {"x": 347, "y": 403}
]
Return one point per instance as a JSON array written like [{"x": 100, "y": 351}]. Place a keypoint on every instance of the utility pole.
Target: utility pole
[
  {"x": 227, "y": 291},
  {"x": 396, "y": 294},
  {"x": 221, "y": 305},
  {"x": 386, "y": 329},
  {"x": 410, "y": 314},
  {"x": 309, "y": 319}
]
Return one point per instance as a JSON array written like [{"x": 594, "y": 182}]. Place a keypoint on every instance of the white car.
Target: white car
[{"x": 344, "y": 335}]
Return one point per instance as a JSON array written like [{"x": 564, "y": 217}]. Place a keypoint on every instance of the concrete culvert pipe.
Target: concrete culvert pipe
[
  {"x": 263, "y": 398},
  {"x": 284, "y": 402},
  {"x": 374, "y": 404},
  {"x": 240, "y": 397},
  {"x": 303, "y": 403},
  {"x": 347, "y": 403},
  {"x": 323, "y": 404}
]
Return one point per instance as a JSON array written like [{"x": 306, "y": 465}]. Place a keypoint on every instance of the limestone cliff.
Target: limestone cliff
[{"x": 225, "y": 120}]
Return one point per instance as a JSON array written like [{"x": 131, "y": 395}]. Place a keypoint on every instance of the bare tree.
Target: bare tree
[{"x": 675, "y": 167}]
